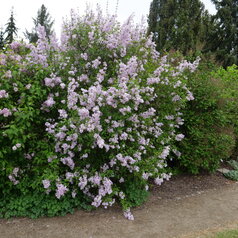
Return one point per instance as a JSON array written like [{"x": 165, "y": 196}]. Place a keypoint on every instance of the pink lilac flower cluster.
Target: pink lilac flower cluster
[
  {"x": 3, "y": 94},
  {"x": 128, "y": 215},
  {"x": 5, "y": 112},
  {"x": 15, "y": 147},
  {"x": 13, "y": 177},
  {"x": 61, "y": 190}
]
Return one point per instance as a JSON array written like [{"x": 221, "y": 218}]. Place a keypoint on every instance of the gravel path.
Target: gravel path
[{"x": 190, "y": 215}]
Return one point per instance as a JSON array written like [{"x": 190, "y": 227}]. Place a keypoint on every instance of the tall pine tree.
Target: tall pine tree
[
  {"x": 11, "y": 29},
  {"x": 223, "y": 38},
  {"x": 177, "y": 24},
  {"x": 43, "y": 18},
  {"x": 161, "y": 22},
  {"x": 2, "y": 40}
]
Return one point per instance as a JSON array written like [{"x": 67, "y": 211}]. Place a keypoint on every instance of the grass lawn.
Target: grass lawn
[{"x": 225, "y": 234}]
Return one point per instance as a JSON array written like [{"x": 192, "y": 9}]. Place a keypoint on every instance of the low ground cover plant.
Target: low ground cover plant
[{"x": 232, "y": 174}]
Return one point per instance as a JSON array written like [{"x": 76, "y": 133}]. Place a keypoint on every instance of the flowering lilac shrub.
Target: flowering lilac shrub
[
  {"x": 21, "y": 122},
  {"x": 93, "y": 118}
]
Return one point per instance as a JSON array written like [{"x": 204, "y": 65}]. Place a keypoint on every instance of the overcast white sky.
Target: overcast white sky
[{"x": 25, "y": 10}]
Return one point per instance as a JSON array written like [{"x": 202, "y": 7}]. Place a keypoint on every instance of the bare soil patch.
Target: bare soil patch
[{"x": 187, "y": 185}]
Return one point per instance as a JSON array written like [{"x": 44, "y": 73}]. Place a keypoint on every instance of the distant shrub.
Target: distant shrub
[
  {"x": 229, "y": 78},
  {"x": 209, "y": 124}
]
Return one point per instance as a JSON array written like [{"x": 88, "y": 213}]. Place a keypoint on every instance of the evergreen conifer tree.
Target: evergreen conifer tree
[
  {"x": 43, "y": 18},
  {"x": 223, "y": 38},
  {"x": 11, "y": 29},
  {"x": 177, "y": 24},
  {"x": 2, "y": 40},
  {"x": 162, "y": 22}
]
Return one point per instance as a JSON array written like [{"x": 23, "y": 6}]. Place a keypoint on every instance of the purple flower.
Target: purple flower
[
  {"x": 128, "y": 215},
  {"x": 28, "y": 86},
  {"x": 165, "y": 152},
  {"x": 13, "y": 179},
  {"x": 190, "y": 96},
  {"x": 5, "y": 112},
  {"x": 73, "y": 194},
  {"x": 158, "y": 181},
  {"x": 177, "y": 153},
  {"x": 15, "y": 45},
  {"x": 3, "y": 94},
  {"x": 83, "y": 113},
  {"x": 83, "y": 182},
  {"x": 46, "y": 183},
  {"x": 61, "y": 190},
  {"x": 68, "y": 161},
  {"x": 63, "y": 113},
  {"x": 176, "y": 98},
  {"x": 96, "y": 63},
  {"x": 52, "y": 82},
  {"x": 179, "y": 137},
  {"x": 15, "y": 171},
  {"x": 49, "y": 102},
  {"x": 14, "y": 148},
  {"x": 121, "y": 195},
  {"x": 8, "y": 74},
  {"x": 95, "y": 179},
  {"x": 100, "y": 142},
  {"x": 97, "y": 201},
  {"x": 84, "y": 56},
  {"x": 146, "y": 176}
]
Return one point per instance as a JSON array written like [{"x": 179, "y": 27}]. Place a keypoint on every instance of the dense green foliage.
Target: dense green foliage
[
  {"x": 185, "y": 26},
  {"x": 43, "y": 18},
  {"x": 178, "y": 25},
  {"x": 229, "y": 91},
  {"x": 223, "y": 37},
  {"x": 210, "y": 126},
  {"x": 34, "y": 204}
]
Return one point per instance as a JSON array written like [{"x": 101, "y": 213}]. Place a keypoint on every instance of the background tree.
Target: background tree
[
  {"x": 11, "y": 29},
  {"x": 2, "y": 40},
  {"x": 189, "y": 28},
  {"x": 161, "y": 22},
  {"x": 223, "y": 38},
  {"x": 43, "y": 18},
  {"x": 178, "y": 24}
]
